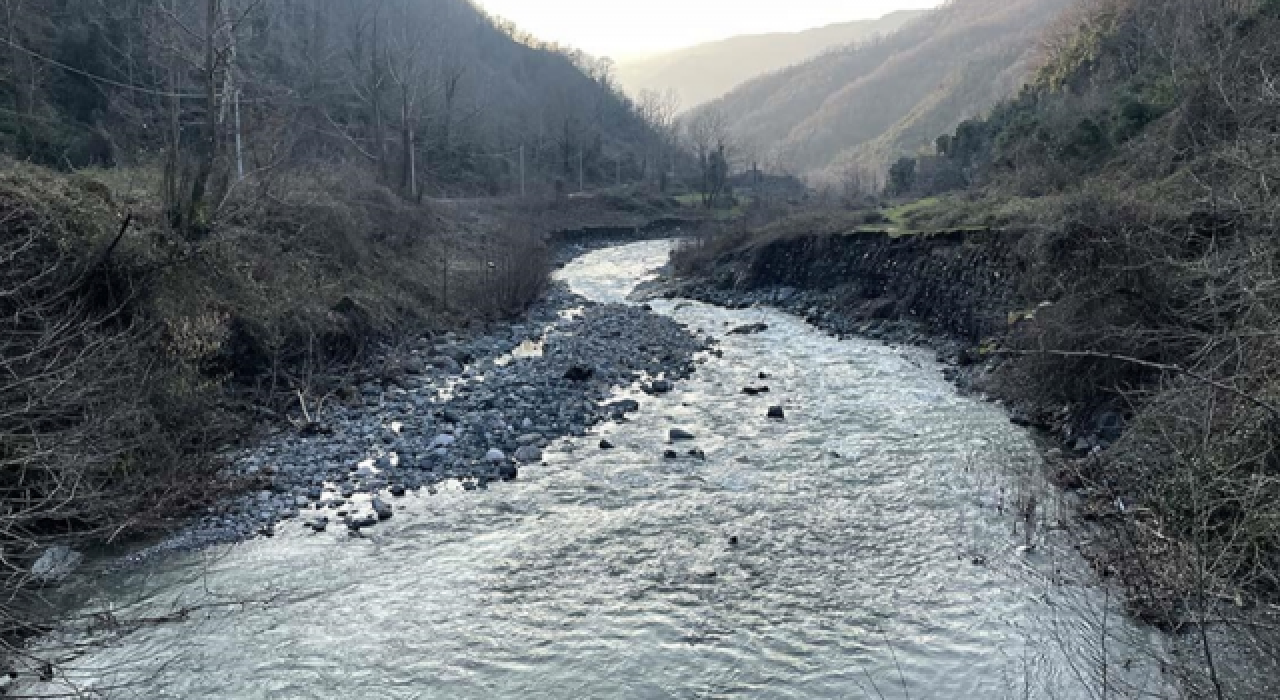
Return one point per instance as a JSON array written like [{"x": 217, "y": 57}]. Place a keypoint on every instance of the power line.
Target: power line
[{"x": 98, "y": 78}]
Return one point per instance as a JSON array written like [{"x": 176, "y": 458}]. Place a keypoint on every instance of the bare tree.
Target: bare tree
[{"x": 709, "y": 138}]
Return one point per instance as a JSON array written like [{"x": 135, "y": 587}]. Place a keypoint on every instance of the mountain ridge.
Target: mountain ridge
[
  {"x": 865, "y": 105},
  {"x": 704, "y": 72}
]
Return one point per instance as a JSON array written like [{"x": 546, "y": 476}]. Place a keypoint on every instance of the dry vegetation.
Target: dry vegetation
[{"x": 1141, "y": 161}]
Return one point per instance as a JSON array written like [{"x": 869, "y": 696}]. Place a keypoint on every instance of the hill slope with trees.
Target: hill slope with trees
[
  {"x": 870, "y": 103},
  {"x": 699, "y": 74}
]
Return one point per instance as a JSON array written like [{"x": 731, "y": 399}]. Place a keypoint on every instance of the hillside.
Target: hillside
[
  {"x": 702, "y": 73},
  {"x": 432, "y": 86},
  {"x": 870, "y": 103}
]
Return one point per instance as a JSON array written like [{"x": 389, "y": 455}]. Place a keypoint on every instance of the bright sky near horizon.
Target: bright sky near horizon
[{"x": 626, "y": 28}]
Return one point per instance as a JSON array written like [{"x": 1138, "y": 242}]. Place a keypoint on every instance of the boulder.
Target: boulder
[
  {"x": 678, "y": 434},
  {"x": 606, "y": 445},
  {"x": 495, "y": 456},
  {"x": 750, "y": 329},
  {"x": 776, "y": 413}
]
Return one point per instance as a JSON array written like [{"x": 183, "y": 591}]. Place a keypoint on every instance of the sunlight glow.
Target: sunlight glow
[{"x": 623, "y": 29}]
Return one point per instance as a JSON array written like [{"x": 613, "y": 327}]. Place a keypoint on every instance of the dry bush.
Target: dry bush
[{"x": 101, "y": 434}]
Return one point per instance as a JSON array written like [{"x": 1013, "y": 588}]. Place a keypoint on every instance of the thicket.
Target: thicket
[{"x": 1149, "y": 143}]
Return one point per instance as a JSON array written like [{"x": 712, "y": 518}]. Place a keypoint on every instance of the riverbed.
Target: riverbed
[{"x": 887, "y": 538}]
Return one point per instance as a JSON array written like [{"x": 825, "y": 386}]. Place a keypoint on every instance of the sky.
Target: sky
[{"x": 622, "y": 29}]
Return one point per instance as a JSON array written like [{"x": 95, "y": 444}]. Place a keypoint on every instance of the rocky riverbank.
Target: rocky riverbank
[
  {"x": 955, "y": 293},
  {"x": 468, "y": 410}
]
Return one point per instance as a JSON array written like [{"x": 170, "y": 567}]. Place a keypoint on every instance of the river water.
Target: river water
[{"x": 869, "y": 545}]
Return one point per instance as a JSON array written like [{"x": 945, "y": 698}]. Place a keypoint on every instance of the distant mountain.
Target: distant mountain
[
  {"x": 871, "y": 103},
  {"x": 702, "y": 73}
]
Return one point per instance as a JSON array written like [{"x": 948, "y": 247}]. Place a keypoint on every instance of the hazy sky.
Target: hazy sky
[{"x": 622, "y": 28}]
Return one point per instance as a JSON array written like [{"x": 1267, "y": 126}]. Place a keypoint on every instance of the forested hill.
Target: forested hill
[
  {"x": 702, "y": 73},
  {"x": 434, "y": 86},
  {"x": 886, "y": 97}
]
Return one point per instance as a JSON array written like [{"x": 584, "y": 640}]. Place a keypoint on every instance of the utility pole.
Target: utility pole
[{"x": 239, "y": 141}]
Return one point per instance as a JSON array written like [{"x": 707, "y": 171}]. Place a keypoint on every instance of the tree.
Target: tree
[
  {"x": 902, "y": 176},
  {"x": 709, "y": 138}
]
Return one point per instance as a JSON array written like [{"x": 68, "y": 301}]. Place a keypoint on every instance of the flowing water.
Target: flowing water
[{"x": 870, "y": 545}]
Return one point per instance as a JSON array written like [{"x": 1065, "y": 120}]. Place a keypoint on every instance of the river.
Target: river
[{"x": 869, "y": 545}]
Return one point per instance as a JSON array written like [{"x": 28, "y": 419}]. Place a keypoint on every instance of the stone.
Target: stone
[
  {"x": 579, "y": 373},
  {"x": 755, "y": 391},
  {"x": 660, "y": 386},
  {"x": 678, "y": 434},
  {"x": 382, "y": 509},
  {"x": 367, "y": 520},
  {"x": 606, "y": 445},
  {"x": 623, "y": 406},
  {"x": 670, "y": 454},
  {"x": 495, "y": 456},
  {"x": 750, "y": 329},
  {"x": 776, "y": 413},
  {"x": 443, "y": 441},
  {"x": 528, "y": 454},
  {"x": 56, "y": 563}
]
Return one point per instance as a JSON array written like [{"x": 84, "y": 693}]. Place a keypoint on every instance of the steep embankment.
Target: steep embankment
[{"x": 959, "y": 284}]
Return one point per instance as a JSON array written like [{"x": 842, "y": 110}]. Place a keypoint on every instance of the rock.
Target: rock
[
  {"x": 606, "y": 445},
  {"x": 528, "y": 454},
  {"x": 397, "y": 490},
  {"x": 579, "y": 373},
  {"x": 762, "y": 375},
  {"x": 755, "y": 391},
  {"x": 382, "y": 509},
  {"x": 443, "y": 441},
  {"x": 660, "y": 386},
  {"x": 670, "y": 454},
  {"x": 678, "y": 434},
  {"x": 495, "y": 456},
  {"x": 698, "y": 454},
  {"x": 56, "y": 564},
  {"x": 750, "y": 329},
  {"x": 367, "y": 520},
  {"x": 508, "y": 472},
  {"x": 623, "y": 406},
  {"x": 776, "y": 413}
]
